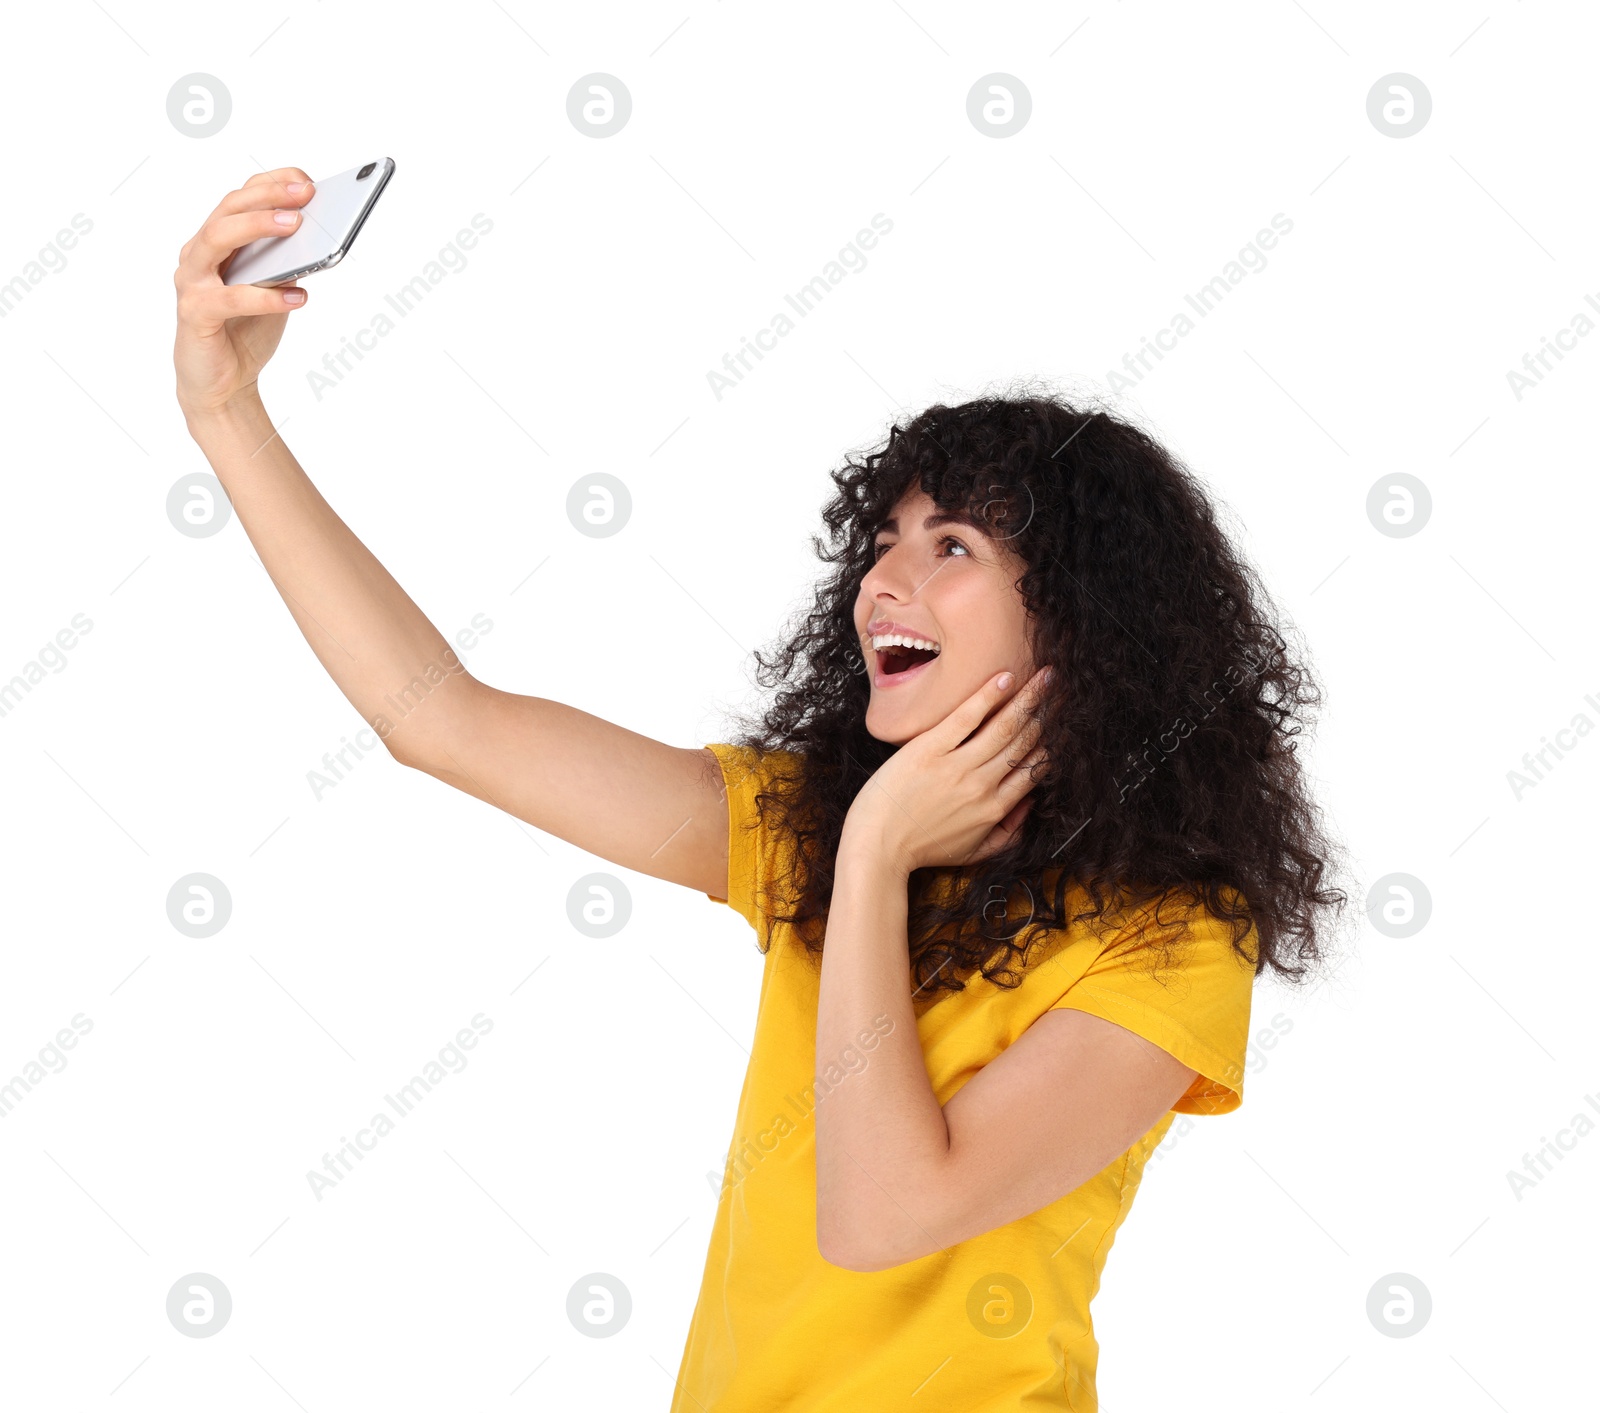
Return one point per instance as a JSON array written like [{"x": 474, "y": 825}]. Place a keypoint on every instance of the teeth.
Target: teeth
[{"x": 885, "y": 640}]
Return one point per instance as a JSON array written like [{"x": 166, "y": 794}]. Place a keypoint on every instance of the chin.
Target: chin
[{"x": 893, "y": 733}]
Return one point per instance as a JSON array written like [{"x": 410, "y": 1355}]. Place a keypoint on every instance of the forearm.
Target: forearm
[
  {"x": 881, "y": 1135},
  {"x": 390, "y": 662}
]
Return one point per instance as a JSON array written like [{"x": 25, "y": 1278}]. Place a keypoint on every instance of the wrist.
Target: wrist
[
  {"x": 862, "y": 850},
  {"x": 241, "y": 414}
]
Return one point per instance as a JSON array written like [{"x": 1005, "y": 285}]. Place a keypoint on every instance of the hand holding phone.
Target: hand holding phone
[
  {"x": 329, "y": 222},
  {"x": 226, "y": 335}
]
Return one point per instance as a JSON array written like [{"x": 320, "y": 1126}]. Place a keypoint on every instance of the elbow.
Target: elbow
[
  {"x": 416, "y": 752},
  {"x": 847, "y": 1257},
  {"x": 862, "y": 1227},
  {"x": 836, "y": 1243},
  {"x": 437, "y": 731},
  {"x": 859, "y": 1246},
  {"x": 402, "y": 752}
]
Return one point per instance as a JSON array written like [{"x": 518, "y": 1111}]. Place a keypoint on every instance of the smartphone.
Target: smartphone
[{"x": 330, "y": 220}]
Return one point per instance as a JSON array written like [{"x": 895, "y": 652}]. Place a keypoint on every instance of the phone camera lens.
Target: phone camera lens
[{"x": 366, "y": 171}]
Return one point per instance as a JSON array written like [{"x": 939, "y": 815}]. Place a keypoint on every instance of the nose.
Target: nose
[{"x": 889, "y": 579}]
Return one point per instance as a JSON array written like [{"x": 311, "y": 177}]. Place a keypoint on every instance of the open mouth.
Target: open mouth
[{"x": 898, "y": 658}]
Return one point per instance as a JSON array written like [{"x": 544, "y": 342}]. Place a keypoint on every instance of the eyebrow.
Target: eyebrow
[{"x": 938, "y": 518}]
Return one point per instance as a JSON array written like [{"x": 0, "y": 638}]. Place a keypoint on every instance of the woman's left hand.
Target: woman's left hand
[{"x": 956, "y": 793}]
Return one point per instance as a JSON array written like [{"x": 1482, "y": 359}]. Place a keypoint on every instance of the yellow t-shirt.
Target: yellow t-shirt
[{"x": 999, "y": 1321}]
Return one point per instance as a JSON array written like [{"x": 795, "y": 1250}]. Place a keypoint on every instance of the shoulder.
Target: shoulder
[
  {"x": 758, "y": 847},
  {"x": 1182, "y": 923},
  {"x": 748, "y": 772},
  {"x": 1178, "y": 972}
]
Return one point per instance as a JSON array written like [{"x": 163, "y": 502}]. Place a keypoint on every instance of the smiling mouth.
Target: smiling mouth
[
  {"x": 900, "y": 653},
  {"x": 897, "y": 658}
]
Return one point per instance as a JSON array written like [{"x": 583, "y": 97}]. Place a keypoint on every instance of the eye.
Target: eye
[{"x": 952, "y": 540}]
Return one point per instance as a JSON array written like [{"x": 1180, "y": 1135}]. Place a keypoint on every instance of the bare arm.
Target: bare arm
[
  {"x": 644, "y": 805},
  {"x": 899, "y": 1175}
]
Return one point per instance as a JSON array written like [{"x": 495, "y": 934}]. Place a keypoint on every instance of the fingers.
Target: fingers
[
  {"x": 279, "y": 174},
  {"x": 1019, "y": 780},
  {"x": 203, "y": 309},
  {"x": 288, "y": 186},
  {"x": 1003, "y": 832},
  {"x": 293, "y": 188},
  {"x": 1015, "y": 801},
  {"x": 1010, "y": 752},
  {"x": 223, "y": 235},
  {"x": 1016, "y": 814},
  {"x": 997, "y": 739},
  {"x": 245, "y": 215},
  {"x": 969, "y": 716},
  {"x": 1012, "y": 755}
]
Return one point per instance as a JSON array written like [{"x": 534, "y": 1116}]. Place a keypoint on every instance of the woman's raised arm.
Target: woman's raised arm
[{"x": 646, "y": 806}]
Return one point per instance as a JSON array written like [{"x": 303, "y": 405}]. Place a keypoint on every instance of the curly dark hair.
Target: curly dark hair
[{"x": 1169, "y": 721}]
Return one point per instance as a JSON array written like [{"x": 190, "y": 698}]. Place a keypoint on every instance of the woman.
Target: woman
[{"x": 1031, "y": 761}]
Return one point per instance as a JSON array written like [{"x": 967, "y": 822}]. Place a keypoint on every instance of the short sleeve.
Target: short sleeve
[
  {"x": 751, "y": 852},
  {"x": 1196, "y": 1008}
]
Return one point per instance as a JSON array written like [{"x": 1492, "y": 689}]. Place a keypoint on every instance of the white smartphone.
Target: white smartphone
[{"x": 330, "y": 220}]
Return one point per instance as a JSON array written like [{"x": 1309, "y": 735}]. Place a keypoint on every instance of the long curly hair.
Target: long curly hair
[{"x": 1170, "y": 719}]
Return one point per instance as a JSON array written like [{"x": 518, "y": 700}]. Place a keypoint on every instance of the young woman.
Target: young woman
[{"x": 1030, "y": 759}]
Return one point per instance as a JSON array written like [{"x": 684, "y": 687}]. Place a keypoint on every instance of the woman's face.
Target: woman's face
[{"x": 949, "y": 584}]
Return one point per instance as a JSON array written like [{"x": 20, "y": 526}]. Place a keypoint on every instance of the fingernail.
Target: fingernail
[
  {"x": 1004, "y": 682},
  {"x": 294, "y": 296},
  {"x": 295, "y": 188},
  {"x": 1049, "y": 673},
  {"x": 285, "y": 218}
]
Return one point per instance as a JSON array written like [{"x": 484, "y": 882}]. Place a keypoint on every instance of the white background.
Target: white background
[{"x": 371, "y": 924}]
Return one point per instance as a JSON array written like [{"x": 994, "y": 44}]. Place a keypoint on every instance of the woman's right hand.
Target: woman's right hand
[{"x": 226, "y": 333}]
